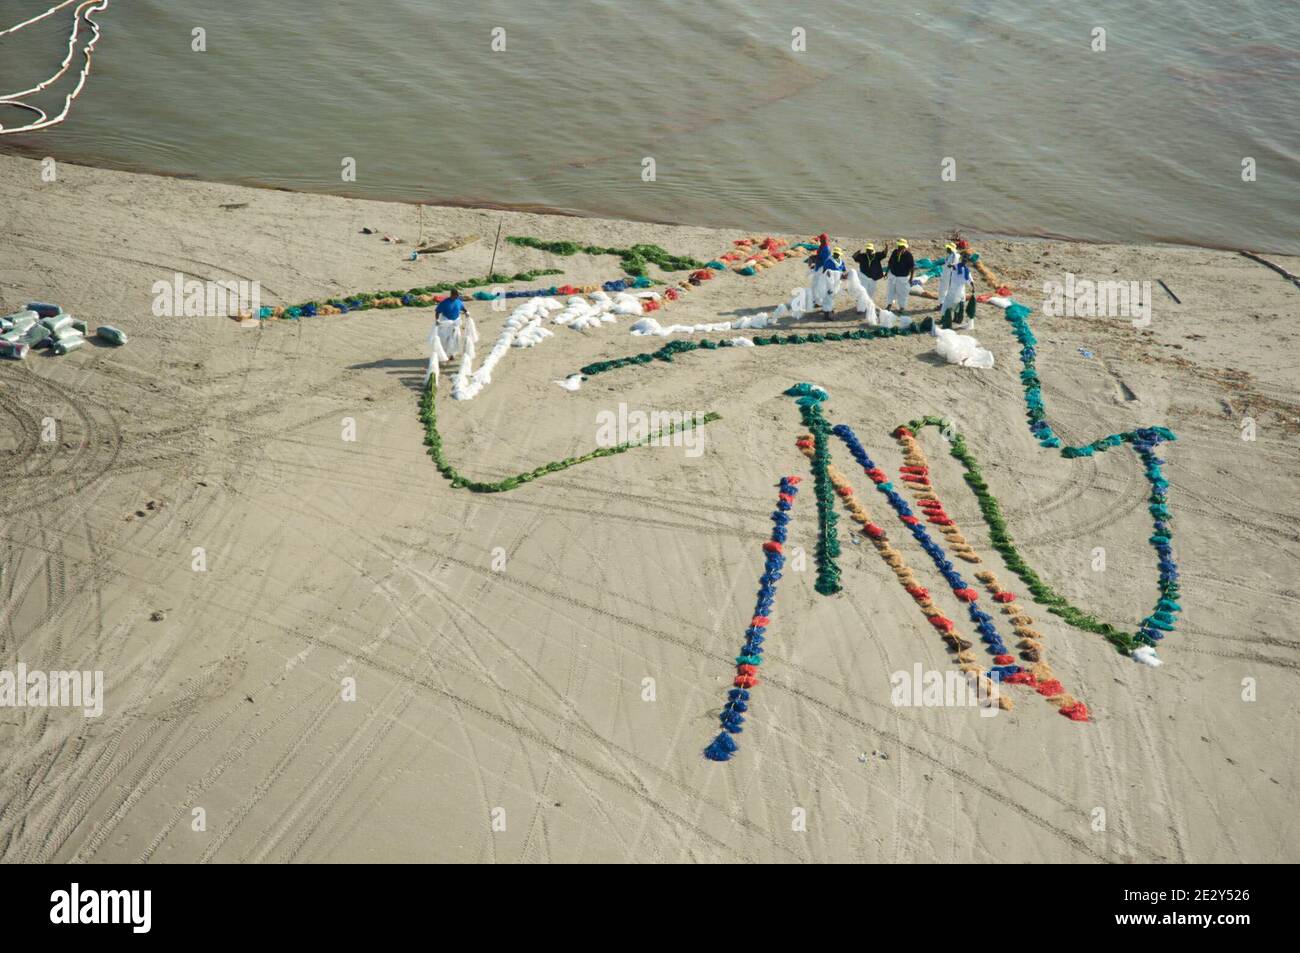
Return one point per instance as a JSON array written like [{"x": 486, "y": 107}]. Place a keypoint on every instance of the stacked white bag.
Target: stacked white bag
[
  {"x": 751, "y": 322},
  {"x": 522, "y": 329}
]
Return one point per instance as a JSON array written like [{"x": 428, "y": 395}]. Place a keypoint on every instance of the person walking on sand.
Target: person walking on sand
[
  {"x": 949, "y": 264},
  {"x": 448, "y": 338},
  {"x": 953, "y": 303},
  {"x": 899, "y": 286},
  {"x": 831, "y": 275},
  {"x": 448, "y": 318},
  {"x": 871, "y": 265},
  {"x": 827, "y": 270}
]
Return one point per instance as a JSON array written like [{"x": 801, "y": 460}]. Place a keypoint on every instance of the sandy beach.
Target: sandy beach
[{"x": 537, "y": 672}]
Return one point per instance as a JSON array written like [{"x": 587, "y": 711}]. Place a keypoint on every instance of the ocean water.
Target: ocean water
[{"x": 852, "y": 133}]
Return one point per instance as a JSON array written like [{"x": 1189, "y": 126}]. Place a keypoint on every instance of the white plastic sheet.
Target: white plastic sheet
[
  {"x": 962, "y": 350},
  {"x": 862, "y": 302},
  {"x": 800, "y": 303},
  {"x": 453, "y": 337},
  {"x": 437, "y": 355}
]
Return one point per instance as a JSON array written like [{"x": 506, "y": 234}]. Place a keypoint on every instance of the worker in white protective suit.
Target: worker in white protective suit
[
  {"x": 899, "y": 282},
  {"x": 950, "y": 262},
  {"x": 827, "y": 269},
  {"x": 832, "y": 275},
  {"x": 955, "y": 295}
]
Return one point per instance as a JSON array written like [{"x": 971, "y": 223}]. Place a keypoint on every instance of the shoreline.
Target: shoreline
[{"x": 486, "y": 205}]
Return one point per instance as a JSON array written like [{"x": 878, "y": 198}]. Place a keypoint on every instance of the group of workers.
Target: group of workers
[
  {"x": 451, "y": 337},
  {"x": 897, "y": 267}
]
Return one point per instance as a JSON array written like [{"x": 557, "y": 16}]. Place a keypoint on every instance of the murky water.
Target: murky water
[{"x": 1144, "y": 141}]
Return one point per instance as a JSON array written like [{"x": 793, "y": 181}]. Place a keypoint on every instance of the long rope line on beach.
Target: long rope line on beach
[
  {"x": 1144, "y": 441},
  {"x": 1005, "y": 670},
  {"x": 766, "y": 252},
  {"x": 829, "y": 484},
  {"x": 82, "y": 14},
  {"x": 750, "y": 658},
  {"x": 916, "y": 477}
]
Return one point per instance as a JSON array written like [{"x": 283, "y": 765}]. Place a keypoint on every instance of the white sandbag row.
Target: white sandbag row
[
  {"x": 522, "y": 329},
  {"x": 581, "y": 314},
  {"x": 801, "y": 302},
  {"x": 752, "y": 322},
  {"x": 531, "y": 334}
]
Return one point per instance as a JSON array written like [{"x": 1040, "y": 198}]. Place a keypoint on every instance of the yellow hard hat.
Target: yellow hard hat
[
  {"x": 868, "y": 247},
  {"x": 950, "y": 246},
  {"x": 837, "y": 250},
  {"x": 902, "y": 243}
]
